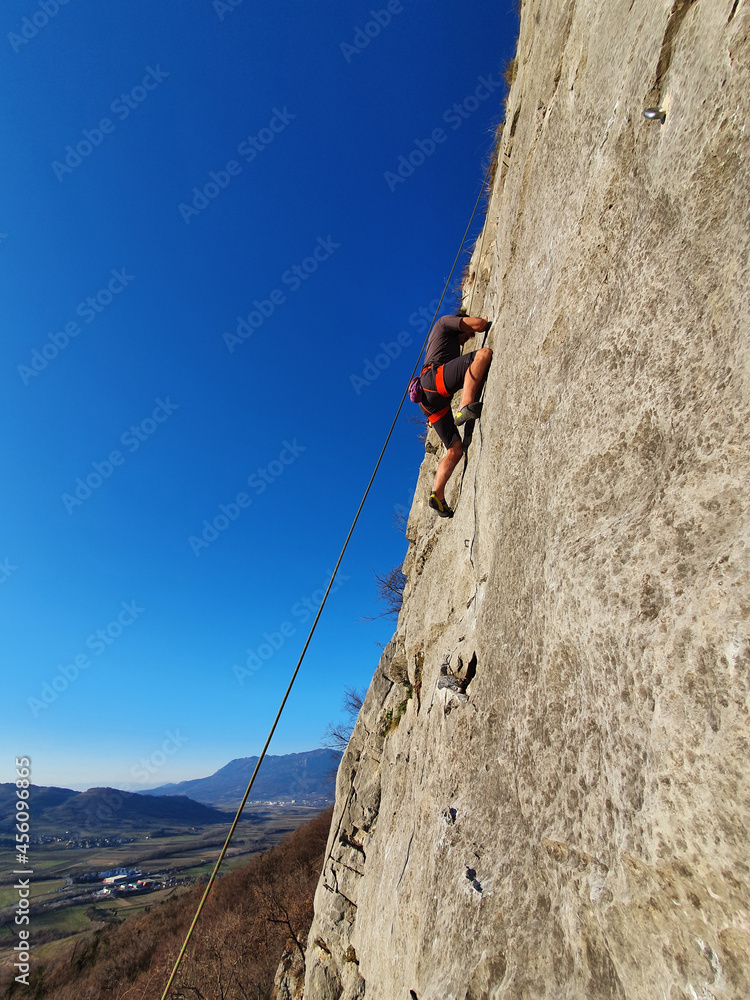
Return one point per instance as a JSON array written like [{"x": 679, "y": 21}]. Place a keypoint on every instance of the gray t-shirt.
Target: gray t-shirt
[{"x": 443, "y": 343}]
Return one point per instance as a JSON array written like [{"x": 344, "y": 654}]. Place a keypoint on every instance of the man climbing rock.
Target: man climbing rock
[{"x": 446, "y": 371}]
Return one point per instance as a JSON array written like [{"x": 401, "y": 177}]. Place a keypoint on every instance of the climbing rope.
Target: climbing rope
[{"x": 241, "y": 806}]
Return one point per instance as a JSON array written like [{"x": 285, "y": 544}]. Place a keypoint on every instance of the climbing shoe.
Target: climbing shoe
[
  {"x": 469, "y": 412},
  {"x": 440, "y": 506}
]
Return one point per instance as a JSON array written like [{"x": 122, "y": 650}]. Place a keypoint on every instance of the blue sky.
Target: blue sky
[{"x": 205, "y": 240}]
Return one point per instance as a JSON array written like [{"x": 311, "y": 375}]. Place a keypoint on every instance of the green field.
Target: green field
[{"x": 38, "y": 887}]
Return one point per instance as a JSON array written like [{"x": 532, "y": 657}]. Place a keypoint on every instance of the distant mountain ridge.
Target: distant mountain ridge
[
  {"x": 132, "y": 807},
  {"x": 99, "y": 809},
  {"x": 307, "y": 777}
]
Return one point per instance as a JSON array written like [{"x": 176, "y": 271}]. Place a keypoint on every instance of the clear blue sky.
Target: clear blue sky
[{"x": 167, "y": 169}]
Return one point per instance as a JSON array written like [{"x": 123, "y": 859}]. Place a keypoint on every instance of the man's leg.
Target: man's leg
[
  {"x": 445, "y": 468},
  {"x": 466, "y": 373},
  {"x": 475, "y": 376}
]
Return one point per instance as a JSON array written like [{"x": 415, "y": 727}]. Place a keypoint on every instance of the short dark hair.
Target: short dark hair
[{"x": 461, "y": 312}]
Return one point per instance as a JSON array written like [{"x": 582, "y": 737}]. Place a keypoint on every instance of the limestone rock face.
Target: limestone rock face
[
  {"x": 289, "y": 982},
  {"x": 546, "y": 794}
]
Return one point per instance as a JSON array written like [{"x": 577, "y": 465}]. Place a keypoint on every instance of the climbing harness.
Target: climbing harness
[
  {"x": 235, "y": 821},
  {"x": 439, "y": 388}
]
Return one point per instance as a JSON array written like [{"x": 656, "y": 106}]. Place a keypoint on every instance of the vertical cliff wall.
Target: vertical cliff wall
[{"x": 547, "y": 792}]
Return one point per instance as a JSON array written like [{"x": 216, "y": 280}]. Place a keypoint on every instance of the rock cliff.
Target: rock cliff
[{"x": 546, "y": 793}]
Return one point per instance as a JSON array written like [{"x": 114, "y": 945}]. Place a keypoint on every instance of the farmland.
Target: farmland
[{"x": 68, "y": 899}]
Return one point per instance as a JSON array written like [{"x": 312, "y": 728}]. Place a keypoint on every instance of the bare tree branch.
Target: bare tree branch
[
  {"x": 337, "y": 733},
  {"x": 390, "y": 587}
]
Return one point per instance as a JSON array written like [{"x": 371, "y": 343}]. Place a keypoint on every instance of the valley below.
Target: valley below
[{"x": 78, "y": 884}]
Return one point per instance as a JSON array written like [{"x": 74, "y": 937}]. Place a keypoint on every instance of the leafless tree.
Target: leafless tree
[
  {"x": 400, "y": 518},
  {"x": 337, "y": 734},
  {"x": 390, "y": 587},
  {"x": 421, "y": 423}
]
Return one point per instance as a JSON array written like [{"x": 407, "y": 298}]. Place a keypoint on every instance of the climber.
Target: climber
[{"x": 446, "y": 371}]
